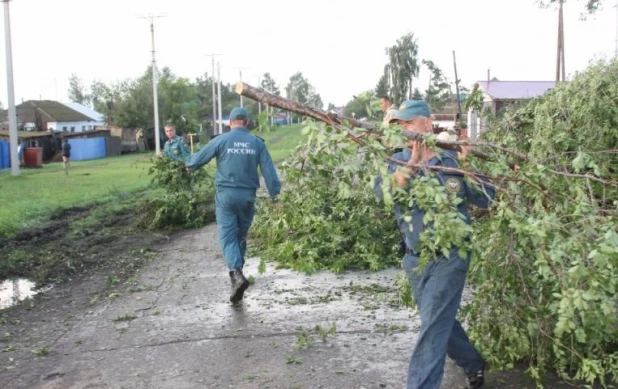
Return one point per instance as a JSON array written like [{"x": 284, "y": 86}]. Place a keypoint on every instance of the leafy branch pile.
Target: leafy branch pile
[
  {"x": 546, "y": 277},
  {"x": 326, "y": 218},
  {"x": 183, "y": 201},
  {"x": 545, "y": 256}
]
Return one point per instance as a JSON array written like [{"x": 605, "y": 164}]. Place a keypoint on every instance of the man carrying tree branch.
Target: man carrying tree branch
[{"x": 437, "y": 286}]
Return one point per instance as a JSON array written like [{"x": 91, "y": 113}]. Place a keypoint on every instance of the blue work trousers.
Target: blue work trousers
[
  {"x": 437, "y": 291},
  {"x": 234, "y": 209}
]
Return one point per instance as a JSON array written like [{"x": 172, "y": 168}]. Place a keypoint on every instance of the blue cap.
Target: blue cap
[
  {"x": 410, "y": 109},
  {"x": 239, "y": 113}
]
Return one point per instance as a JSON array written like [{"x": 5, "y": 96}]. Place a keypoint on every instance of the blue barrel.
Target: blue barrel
[
  {"x": 5, "y": 155},
  {"x": 84, "y": 149}
]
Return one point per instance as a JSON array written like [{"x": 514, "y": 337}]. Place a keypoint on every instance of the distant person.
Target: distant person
[
  {"x": 66, "y": 155},
  {"x": 238, "y": 154},
  {"x": 388, "y": 108},
  {"x": 176, "y": 146}
]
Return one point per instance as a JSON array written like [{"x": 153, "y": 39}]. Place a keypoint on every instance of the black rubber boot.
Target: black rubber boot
[{"x": 239, "y": 285}]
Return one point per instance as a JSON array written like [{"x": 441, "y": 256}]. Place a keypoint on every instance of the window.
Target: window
[
  {"x": 72, "y": 128},
  {"x": 83, "y": 128},
  {"x": 64, "y": 129}
]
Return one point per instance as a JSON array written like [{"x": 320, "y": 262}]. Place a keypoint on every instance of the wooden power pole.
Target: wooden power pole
[
  {"x": 560, "y": 69},
  {"x": 457, "y": 86}
]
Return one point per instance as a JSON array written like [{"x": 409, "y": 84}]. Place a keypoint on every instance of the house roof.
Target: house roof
[
  {"x": 50, "y": 111},
  {"x": 91, "y": 113},
  {"x": 515, "y": 90}
]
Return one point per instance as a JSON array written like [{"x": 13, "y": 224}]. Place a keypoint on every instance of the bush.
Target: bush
[
  {"x": 327, "y": 217},
  {"x": 185, "y": 201},
  {"x": 545, "y": 282}
]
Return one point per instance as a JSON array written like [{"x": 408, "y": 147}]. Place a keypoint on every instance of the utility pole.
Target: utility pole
[
  {"x": 214, "y": 96},
  {"x": 155, "y": 96},
  {"x": 219, "y": 97},
  {"x": 560, "y": 70},
  {"x": 616, "y": 52},
  {"x": 240, "y": 74},
  {"x": 457, "y": 86},
  {"x": 259, "y": 102},
  {"x": 11, "y": 91},
  {"x": 240, "y": 78}
]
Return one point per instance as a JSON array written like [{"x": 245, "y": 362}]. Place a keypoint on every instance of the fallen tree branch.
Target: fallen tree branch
[{"x": 340, "y": 122}]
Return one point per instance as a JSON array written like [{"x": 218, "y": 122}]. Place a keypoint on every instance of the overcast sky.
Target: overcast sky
[{"x": 338, "y": 45}]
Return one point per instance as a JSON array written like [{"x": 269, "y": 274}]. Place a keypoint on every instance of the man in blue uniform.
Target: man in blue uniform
[
  {"x": 238, "y": 154},
  {"x": 175, "y": 147},
  {"x": 437, "y": 287}
]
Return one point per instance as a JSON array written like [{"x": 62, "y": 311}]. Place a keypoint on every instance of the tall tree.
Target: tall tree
[
  {"x": 269, "y": 85},
  {"x": 417, "y": 95},
  {"x": 357, "y": 107},
  {"x": 314, "y": 99},
  {"x": 383, "y": 87},
  {"x": 107, "y": 98},
  {"x": 77, "y": 91},
  {"x": 298, "y": 88},
  {"x": 404, "y": 66},
  {"x": 439, "y": 91}
]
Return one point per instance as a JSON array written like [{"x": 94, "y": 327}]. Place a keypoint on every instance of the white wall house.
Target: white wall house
[
  {"x": 49, "y": 114},
  {"x": 498, "y": 95}
]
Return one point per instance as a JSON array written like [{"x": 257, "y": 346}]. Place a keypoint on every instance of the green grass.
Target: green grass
[
  {"x": 281, "y": 141},
  {"x": 36, "y": 194}
]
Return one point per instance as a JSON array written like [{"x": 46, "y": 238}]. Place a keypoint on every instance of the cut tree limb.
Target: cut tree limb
[
  {"x": 264, "y": 97},
  {"x": 296, "y": 107}
]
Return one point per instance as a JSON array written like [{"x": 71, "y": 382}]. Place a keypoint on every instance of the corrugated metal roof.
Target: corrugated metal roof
[
  {"x": 91, "y": 113},
  {"x": 515, "y": 90},
  {"x": 50, "y": 111}
]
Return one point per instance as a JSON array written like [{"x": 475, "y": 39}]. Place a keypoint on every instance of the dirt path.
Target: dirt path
[{"x": 171, "y": 326}]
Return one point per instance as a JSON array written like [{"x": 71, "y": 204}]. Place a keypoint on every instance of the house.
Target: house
[
  {"x": 446, "y": 117},
  {"x": 499, "y": 95},
  {"x": 43, "y": 115}
]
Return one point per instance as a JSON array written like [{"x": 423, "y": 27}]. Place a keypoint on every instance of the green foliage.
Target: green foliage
[
  {"x": 417, "y": 95},
  {"x": 544, "y": 257},
  {"x": 327, "y": 216},
  {"x": 546, "y": 285},
  {"x": 40, "y": 352},
  {"x": 439, "y": 91},
  {"x": 77, "y": 92},
  {"x": 403, "y": 67},
  {"x": 268, "y": 84},
  {"x": 299, "y": 89},
  {"x": 360, "y": 106},
  {"x": 383, "y": 87},
  {"x": 303, "y": 340},
  {"x": 474, "y": 101},
  {"x": 325, "y": 333},
  {"x": 187, "y": 200},
  {"x": 182, "y": 102}
]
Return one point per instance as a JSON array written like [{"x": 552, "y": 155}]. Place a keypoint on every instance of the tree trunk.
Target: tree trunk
[
  {"x": 338, "y": 122},
  {"x": 296, "y": 107}
]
